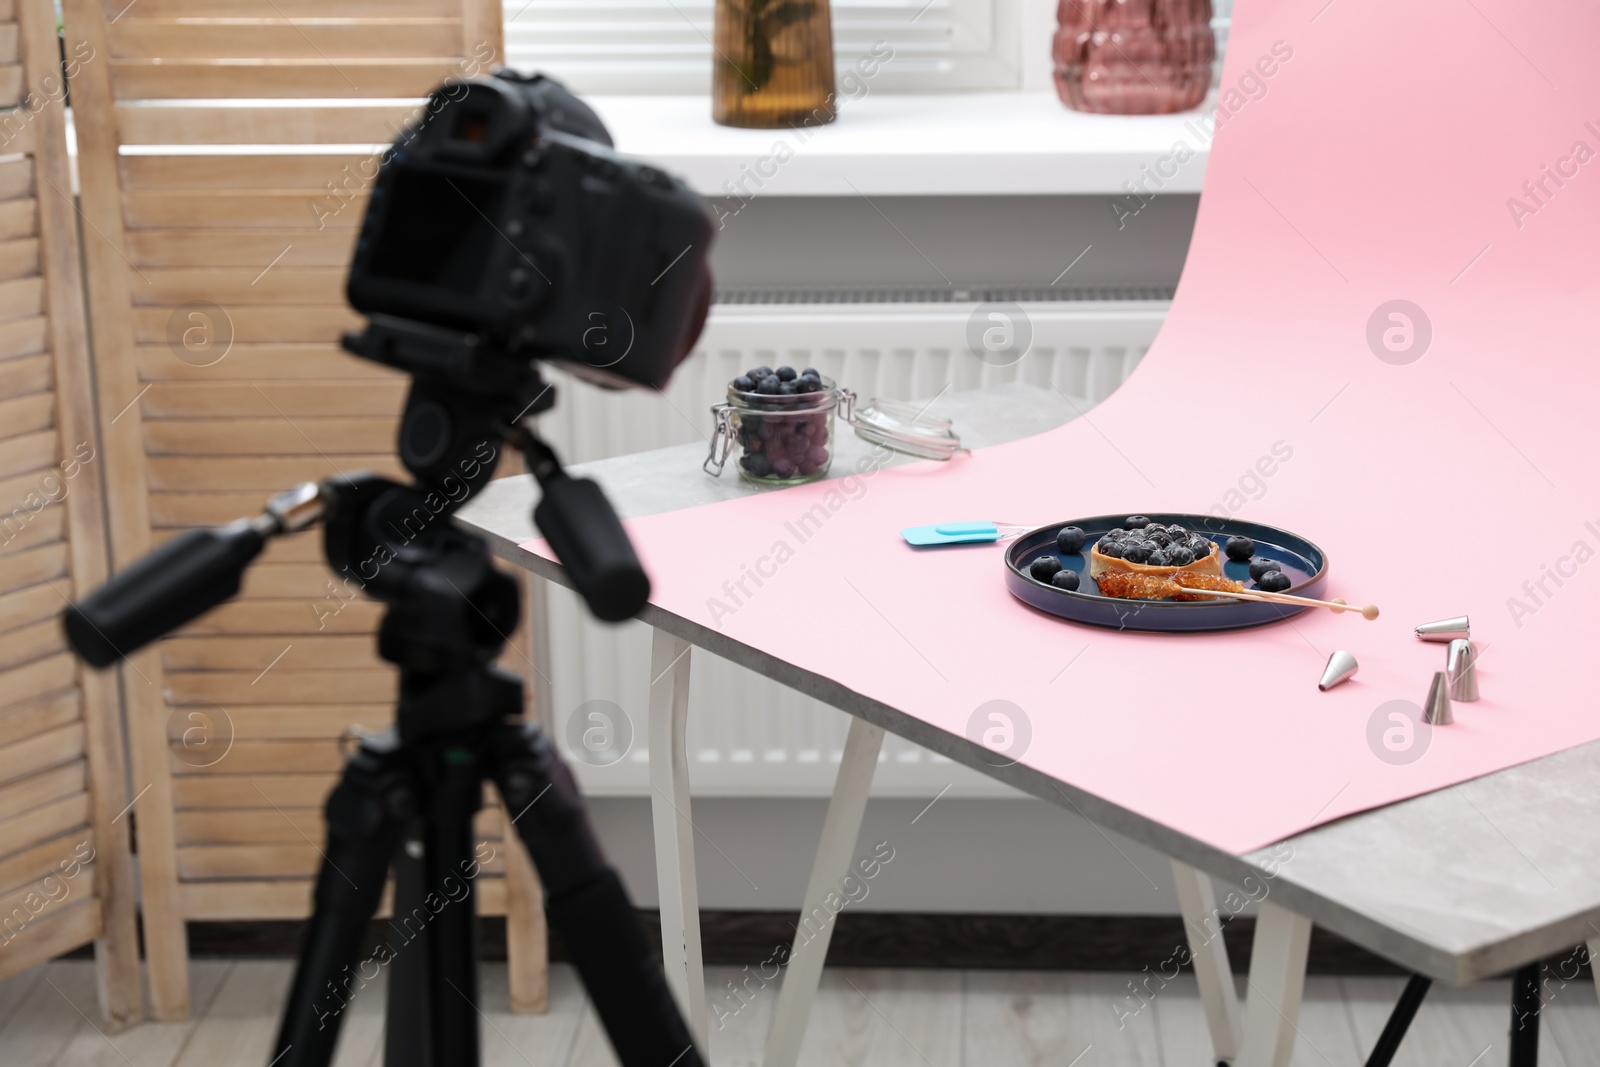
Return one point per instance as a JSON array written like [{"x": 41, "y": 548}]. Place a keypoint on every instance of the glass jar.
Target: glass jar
[
  {"x": 773, "y": 63},
  {"x": 1133, "y": 57},
  {"x": 781, "y": 440}
]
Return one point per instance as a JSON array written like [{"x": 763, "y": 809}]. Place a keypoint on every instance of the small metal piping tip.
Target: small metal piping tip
[
  {"x": 1436, "y": 712},
  {"x": 1445, "y": 629},
  {"x": 1462, "y": 667},
  {"x": 1342, "y": 667}
]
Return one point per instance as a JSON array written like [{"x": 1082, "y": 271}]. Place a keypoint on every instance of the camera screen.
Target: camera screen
[{"x": 438, "y": 230}]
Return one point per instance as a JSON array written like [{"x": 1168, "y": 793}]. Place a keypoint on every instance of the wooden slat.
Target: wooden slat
[
  {"x": 277, "y": 400},
  {"x": 27, "y": 794},
  {"x": 47, "y": 893},
  {"x": 202, "y": 124},
  {"x": 254, "y": 324},
  {"x": 261, "y": 861},
  {"x": 54, "y": 934},
  {"x": 281, "y": 8},
  {"x": 265, "y": 363},
  {"x": 327, "y": 247},
  {"x": 9, "y": 39},
  {"x": 270, "y": 437},
  {"x": 21, "y": 297},
  {"x": 26, "y": 414},
  {"x": 50, "y": 820},
  {"x": 268, "y": 209},
  {"x": 25, "y": 375},
  {"x": 330, "y": 40},
  {"x": 284, "y": 687},
  {"x": 255, "y": 757},
  {"x": 308, "y": 720},
  {"x": 191, "y": 79},
  {"x": 289, "y": 826},
  {"x": 308, "y": 174},
  {"x": 16, "y": 176},
  {"x": 34, "y": 603},
  {"x": 19, "y": 258},
  {"x": 290, "y": 898},
  {"x": 264, "y": 474},
  {"x": 30, "y": 720},
  {"x": 290, "y": 617},
  {"x": 26, "y": 453},
  {"x": 39, "y": 679},
  {"x": 18, "y": 218},
  {"x": 34, "y": 863},
  {"x": 288, "y": 580},
  {"x": 262, "y": 790},
  {"x": 243, "y": 653},
  {"x": 248, "y": 285},
  {"x": 10, "y": 85},
  {"x": 23, "y": 529},
  {"x": 20, "y": 337},
  {"x": 34, "y": 641},
  {"x": 31, "y": 755},
  {"x": 21, "y": 569}
]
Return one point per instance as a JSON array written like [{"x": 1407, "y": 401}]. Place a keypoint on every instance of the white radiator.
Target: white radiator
[{"x": 749, "y": 736}]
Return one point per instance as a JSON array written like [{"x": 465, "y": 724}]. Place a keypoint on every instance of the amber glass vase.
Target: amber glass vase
[
  {"x": 773, "y": 63},
  {"x": 1133, "y": 57}
]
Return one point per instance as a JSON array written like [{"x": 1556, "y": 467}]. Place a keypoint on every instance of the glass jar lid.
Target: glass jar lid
[{"x": 906, "y": 427}]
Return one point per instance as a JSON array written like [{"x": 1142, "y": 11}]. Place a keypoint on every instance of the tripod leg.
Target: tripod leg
[
  {"x": 448, "y": 878},
  {"x": 407, "y": 1038},
  {"x": 365, "y": 813},
  {"x": 588, "y": 906}
]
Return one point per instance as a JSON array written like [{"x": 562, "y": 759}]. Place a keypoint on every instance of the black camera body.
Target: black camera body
[{"x": 503, "y": 213}]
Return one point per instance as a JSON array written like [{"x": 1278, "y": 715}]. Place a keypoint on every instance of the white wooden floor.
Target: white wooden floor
[{"x": 882, "y": 1018}]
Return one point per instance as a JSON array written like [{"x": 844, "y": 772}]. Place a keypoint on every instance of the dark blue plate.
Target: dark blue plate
[{"x": 1304, "y": 563}]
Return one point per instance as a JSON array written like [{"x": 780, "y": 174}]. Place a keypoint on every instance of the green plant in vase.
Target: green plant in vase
[{"x": 773, "y": 63}]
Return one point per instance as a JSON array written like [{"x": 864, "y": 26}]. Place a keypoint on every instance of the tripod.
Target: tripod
[{"x": 407, "y": 797}]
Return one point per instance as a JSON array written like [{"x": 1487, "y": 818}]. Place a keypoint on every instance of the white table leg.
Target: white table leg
[
  {"x": 1594, "y": 962},
  {"x": 1209, "y": 954},
  {"x": 1277, "y": 980},
  {"x": 669, "y": 805},
  {"x": 834, "y": 851}
]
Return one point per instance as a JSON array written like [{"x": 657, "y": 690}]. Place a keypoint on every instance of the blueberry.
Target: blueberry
[
  {"x": 1065, "y": 579},
  {"x": 756, "y": 464},
  {"x": 1159, "y": 536},
  {"x": 1273, "y": 582},
  {"x": 744, "y": 384},
  {"x": 1177, "y": 531},
  {"x": 1180, "y": 556},
  {"x": 1258, "y": 567},
  {"x": 1110, "y": 548},
  {"x": 786, "y": 374},
  {"x": 787, "y": 388},
  {"x": 1070, "y": 539},
  {"x": 759, "y": 373},
  {"x": 1240, "y": 549},
  {"x": 807, "y": 385},
  {"x": 1140, "y": 552},
  {"x": 811, "y": 372},
  {"x": 1200, "y": 546},
  {"x": 768, "y": 385},
  {"x": 1044, "y": 567},
  {"x": 1133, "y": 522}
]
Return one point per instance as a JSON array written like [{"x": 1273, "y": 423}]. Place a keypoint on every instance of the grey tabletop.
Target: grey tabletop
[{"x": 1458, "y": 884}]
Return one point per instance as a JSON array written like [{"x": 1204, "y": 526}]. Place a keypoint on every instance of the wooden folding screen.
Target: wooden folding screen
[
  {"x": 66, "y": 876},
  {"x": 224, "y": 161}
]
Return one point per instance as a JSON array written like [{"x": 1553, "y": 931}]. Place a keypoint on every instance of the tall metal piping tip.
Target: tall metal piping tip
[
  {"x": 1436, "y": 712},
  {"x": 1462, "y": 667},
  {"x": 1445, "y": 629},
  {"x": 1342, "y": 667}
]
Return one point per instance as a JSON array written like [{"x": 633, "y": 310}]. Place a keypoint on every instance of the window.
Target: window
[{"x": 664, "y": 46}]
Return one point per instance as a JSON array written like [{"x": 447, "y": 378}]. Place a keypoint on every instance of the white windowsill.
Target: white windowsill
[{"x": 968, "y": 144}]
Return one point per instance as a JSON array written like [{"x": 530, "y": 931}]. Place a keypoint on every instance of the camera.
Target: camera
[{"x": 504, "y": 213}]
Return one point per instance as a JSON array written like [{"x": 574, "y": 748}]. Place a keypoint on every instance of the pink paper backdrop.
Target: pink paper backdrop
[{"x": 1377, "y": 162}]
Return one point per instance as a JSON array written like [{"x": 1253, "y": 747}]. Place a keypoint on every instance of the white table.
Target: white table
[{"x": 1457, "y": 885}]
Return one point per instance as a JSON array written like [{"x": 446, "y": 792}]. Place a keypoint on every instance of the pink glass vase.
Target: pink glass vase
[{"x": 1133, "y": 57}]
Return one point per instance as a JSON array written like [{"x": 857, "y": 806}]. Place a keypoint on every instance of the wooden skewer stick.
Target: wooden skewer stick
[{"x": 1338, "y": 607}]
